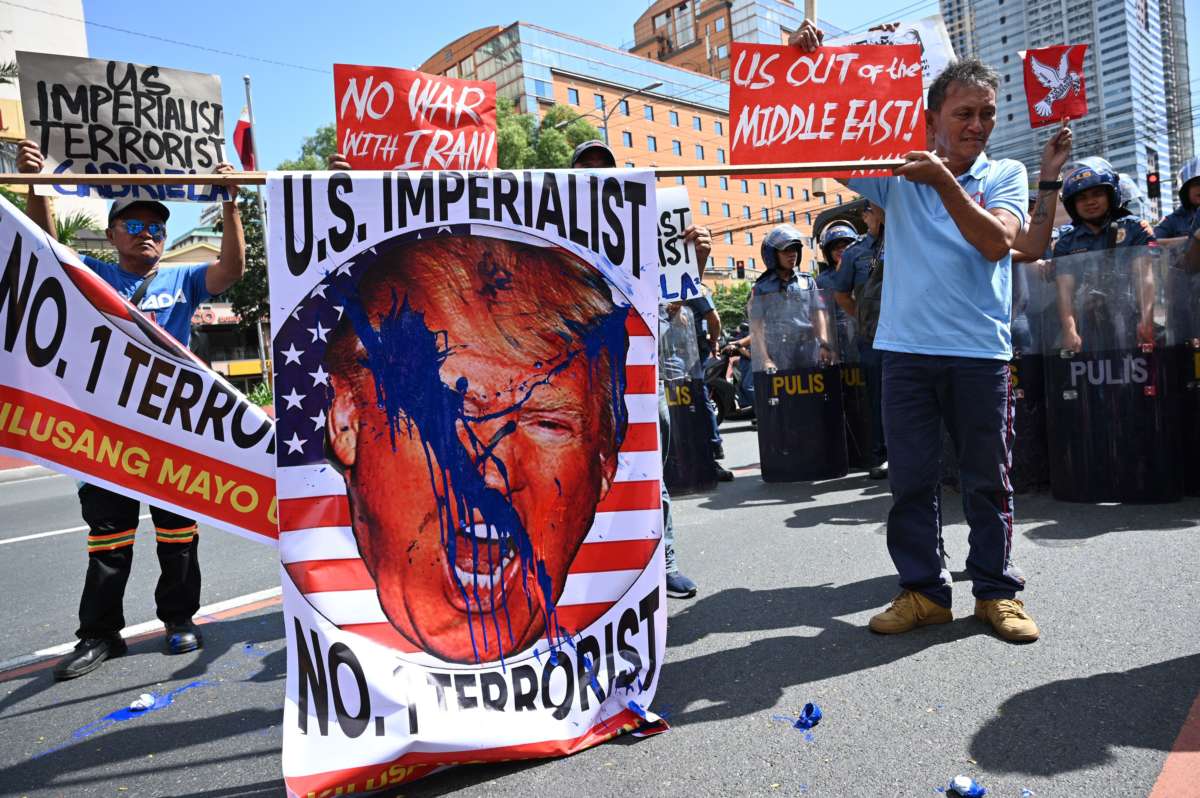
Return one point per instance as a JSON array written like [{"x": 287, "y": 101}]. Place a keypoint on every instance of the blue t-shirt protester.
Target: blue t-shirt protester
[{"x": 171, "y": 298}]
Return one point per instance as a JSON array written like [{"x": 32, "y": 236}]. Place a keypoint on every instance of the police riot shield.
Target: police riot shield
[
  {"x": 1183, "y": 295},
  {"x": 1034, "y": 305},
  {"x": 797, "y": 385},
  {"x": 855, "y": 400},
  {"x": 689, "y": 465},
  {"x": 1113, "y": 388}
]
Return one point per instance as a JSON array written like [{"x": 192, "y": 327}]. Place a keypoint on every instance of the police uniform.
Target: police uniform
[
  {"x": 789, "y": 309},
  {"x": 1182, "y": 221},
  {"x": 1107, "y": 302}
]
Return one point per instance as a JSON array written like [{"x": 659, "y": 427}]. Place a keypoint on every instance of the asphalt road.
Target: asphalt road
[{"x": 788, "y": 576}]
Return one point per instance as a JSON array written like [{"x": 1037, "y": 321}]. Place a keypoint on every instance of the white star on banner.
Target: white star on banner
[
  {"x": 320, "y": 290},
  {"x": 318, "y": 333},
  {"x": 292, "y": 354},
  {"x": 340, "y": 310},
  {"x": 293, "y": 399},
  {"x": 318, "y": 420},
  {"x": 320, "y": 376},
  {"x": 296, "y": 313},
  {"x": 294, "y": 444}
]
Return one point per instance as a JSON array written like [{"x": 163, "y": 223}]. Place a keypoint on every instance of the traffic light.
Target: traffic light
[
  {"x": 1153, "y": 189},
  {"x": 741, "y": 269}
]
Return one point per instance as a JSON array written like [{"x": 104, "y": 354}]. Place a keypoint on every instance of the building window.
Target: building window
[
  {"x": 1008, "y": 98},
  {"x": 730, "y": 263},
  {"x": 793, "y": 217},
  {"x": 791, "y": 193},
  {"x": 1006, "y": 59},
  {"x": 660, "y": 20},
  {"x": 1007, "y": 78},
  {"x": 779, "y": 216},
  {"x": 624, "y": 107},
  {"x": 839, "y": 199},
  {"x": 720, "y": 155},
  {"x": 573, "y": 96},
  {"x": 751, "y": 264},
  {"x": 679, "y": 181},
  {"x": 762, "y": 188},
  {"x": 696, "y": 123},
  {"x": 673, "y": 117},
  {"x": 648, "y": 112},
  {"x": 1004, "y": 40},
  {"x": 626, "y": 138},
  {"x": 543, "y": 89},
  {"x": 779, "y": 191},
  {"x": 724, "y": 183},
  {"x": 723, "y": 51},
  {"x": 806, "y": 194},
  {"x": 766, "y": 215},
  {"x": 749, "y": 238},
  {"x": 808, "y": 217},
  {"x": 651, "y": 143},
  {"x": 720, "y": 25},
  {"x": 676, "y": 148},
  {"x": 704, "y": 207},
  {"x": 1003, "y": 19},
  {"x": 725, "y": 209},
  {"x": 745, "y": 211},
  {"x": 598, "y": 100},
  {"x": 729, "y": 239},
  {"x": 718, "y": 128},
  {"x": 699, "y": 152},
  {"x": 1010, "y": 117},
  {"x": 702, "y": 180},
  {"x": 745, "y": 186}
]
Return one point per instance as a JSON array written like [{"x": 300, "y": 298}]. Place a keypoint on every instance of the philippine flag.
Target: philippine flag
[{"x": 243, "y": 141}]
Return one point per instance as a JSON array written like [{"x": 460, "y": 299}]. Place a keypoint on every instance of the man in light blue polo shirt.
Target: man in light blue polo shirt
[{"x": 953, "y": 217}]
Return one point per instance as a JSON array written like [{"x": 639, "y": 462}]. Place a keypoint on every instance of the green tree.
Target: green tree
[
  {"x": 314, "y": 151},
  {"x": 248, "y": 296},
  {"x": 8, "y": 72},
  {"x": 730, "y": 300},
  {"x": 522, "y": 142}
]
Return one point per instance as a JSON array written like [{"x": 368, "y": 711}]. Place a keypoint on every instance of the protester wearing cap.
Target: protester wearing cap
[
  {"x": 168, "y": 295},
  {"x": 953, "y": 217}
]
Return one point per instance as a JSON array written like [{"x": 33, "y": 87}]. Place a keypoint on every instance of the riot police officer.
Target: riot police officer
[
  {"x": 802, "y": 338},
  {"x": 1091, "y": 195},
  {"x": 1185, "y": 219}
]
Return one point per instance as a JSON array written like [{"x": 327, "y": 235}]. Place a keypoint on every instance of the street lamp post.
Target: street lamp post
[{"x": 608, "y": 110}]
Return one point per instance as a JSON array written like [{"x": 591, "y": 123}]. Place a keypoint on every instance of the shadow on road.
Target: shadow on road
[
  {"x": 758, "y": 673},
  {"x": 1074, "y": 724},
  {"x": 236, "y": 652}
]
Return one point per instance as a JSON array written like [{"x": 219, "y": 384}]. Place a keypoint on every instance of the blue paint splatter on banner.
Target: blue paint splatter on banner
[{"x": 405, "y": 358}]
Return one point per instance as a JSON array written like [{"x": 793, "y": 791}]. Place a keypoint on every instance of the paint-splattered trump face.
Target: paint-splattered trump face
[{"x": 477, "y": 414}]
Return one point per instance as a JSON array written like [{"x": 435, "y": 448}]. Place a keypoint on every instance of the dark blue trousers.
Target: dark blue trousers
[
  {"x": 972, "y": 397},
  {"x": 872, "y": 365}
]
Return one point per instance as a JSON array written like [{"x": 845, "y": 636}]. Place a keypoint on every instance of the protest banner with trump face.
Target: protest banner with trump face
[{"x": 468, "y": 468}]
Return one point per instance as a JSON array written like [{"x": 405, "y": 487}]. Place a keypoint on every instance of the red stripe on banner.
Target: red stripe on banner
[
  {"x": 574, "y": 618},
  {"x": 100, "y": 448},
  {"x": 640, "y": 379},
  {"x": 421, "y": 763},
  {"x": 640, "y": 495},
  {"x": 313, "y": 511},
  {"x": 323, "y": 576},
  {"x": 640, "y": 437},
  {"x": 635, "y": 325},
  {"x": 616, "y": 555},
  {"x": 384, "y": 634}
]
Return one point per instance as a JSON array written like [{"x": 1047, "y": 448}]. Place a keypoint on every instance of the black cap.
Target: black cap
[
  {"x": 594, "y": 144},
  {"x": 120, "y": 206}
]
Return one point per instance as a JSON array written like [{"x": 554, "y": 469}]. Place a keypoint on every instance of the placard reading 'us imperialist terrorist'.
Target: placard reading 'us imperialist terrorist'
[
  {"x": 468, "y": 467},
  {"x": 94, "y": 116},
  {"x": 863, "y": 102}
]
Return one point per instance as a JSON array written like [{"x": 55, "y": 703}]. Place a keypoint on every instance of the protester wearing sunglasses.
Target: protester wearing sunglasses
[{"x": 168, "y": 295}]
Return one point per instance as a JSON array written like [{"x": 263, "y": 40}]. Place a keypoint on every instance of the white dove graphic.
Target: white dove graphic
[{"x": 1059, "y": 81}]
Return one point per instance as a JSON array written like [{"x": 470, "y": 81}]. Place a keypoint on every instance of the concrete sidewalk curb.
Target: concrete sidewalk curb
[{"x": 25, "y": 472}]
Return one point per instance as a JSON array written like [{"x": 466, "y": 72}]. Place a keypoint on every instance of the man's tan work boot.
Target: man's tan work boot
[
  {"x": 1009, "y": 618},
  {"x": 909, "y": 610}
]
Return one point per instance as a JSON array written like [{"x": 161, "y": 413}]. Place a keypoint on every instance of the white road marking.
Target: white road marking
[
  {"x": 54, "y": 532},
  {"x": 142, "y": 628}
]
